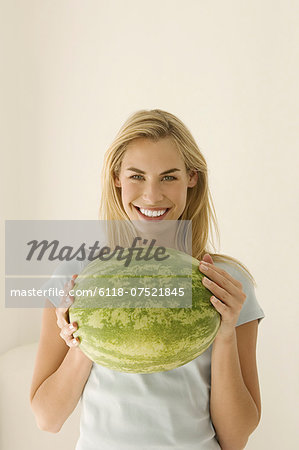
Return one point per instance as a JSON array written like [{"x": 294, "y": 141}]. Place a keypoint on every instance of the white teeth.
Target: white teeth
[{"x": 149, "y": 213}]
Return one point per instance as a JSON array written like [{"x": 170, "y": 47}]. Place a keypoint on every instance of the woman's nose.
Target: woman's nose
[{"x": 152, "y": 193}]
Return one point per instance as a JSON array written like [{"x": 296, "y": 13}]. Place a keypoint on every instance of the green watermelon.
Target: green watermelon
[{"x": 149, "y": 333}]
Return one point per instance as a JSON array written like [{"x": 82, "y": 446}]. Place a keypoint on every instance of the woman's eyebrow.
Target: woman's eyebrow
[{"x": 163, "y": 173}]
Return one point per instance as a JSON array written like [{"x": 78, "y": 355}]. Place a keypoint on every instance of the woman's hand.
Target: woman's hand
[
  {"x": 62, "y": 314},
  {"x": 228, "y": 296}
]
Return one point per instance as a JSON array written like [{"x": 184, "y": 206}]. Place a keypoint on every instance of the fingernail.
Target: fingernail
[
  {"x": 74, "y": 341},
  {"x": 71, "y": 327},
  {"x": 203, "y": 267}
]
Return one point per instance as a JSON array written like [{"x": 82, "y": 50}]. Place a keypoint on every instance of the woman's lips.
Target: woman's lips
[{"x": 152, "y": 218}]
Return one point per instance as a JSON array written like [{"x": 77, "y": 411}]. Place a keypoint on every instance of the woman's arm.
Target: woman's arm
[
  {"x": 235, "y": 398},
  {"x": 59, "y": 376}
]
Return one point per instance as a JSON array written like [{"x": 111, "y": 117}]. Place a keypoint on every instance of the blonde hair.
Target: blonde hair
[{"x": 157, "y": 124}]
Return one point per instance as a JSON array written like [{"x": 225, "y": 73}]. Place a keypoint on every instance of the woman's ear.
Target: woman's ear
[
  {"x": 117, "y": 181},
  {"x": 193, "y": 178}
]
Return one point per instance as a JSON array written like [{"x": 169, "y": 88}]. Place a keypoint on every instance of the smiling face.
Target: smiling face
[{"x": 153, "y": 177}]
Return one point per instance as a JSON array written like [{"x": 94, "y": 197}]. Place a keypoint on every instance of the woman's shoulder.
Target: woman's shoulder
[{"x": 235, "y": 268}]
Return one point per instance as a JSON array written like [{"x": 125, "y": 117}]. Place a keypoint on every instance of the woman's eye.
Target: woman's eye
[
  {"x": 170, "y": 176},
  {"x": 135, "y": 176}
]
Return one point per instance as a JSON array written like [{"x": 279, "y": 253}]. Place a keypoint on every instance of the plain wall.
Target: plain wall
[{"x": 73, "y": 71}]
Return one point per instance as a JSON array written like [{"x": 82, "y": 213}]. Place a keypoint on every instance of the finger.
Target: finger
[
  {"x": 65, "y": 303},
  {"x": 62, "y": 315},
  {"x": 219, "y": 292},
  {"x": 68, "y": 330},
  {"x": 73, "y": 342},
  {"x": 62, "y": 310},
  {"x": 67, "y": 299},
  {"x": 221, "y": 277},
  {"x": 61, "y": 322},
  {"x": 70, "y": 341},
  {"x": 219, "y": 306}
]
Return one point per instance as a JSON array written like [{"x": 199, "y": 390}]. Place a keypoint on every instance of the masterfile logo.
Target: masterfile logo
[{"x": 39, "y": 251}]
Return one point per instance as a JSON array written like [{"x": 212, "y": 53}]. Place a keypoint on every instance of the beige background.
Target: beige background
[{"x": 73, "y": 71}]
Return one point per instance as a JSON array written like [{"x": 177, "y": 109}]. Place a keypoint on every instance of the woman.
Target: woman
[{"x": 212, "y": 402}]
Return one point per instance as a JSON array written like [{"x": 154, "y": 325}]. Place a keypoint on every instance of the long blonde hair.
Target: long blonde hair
[{"x": 157, "y": 124}]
